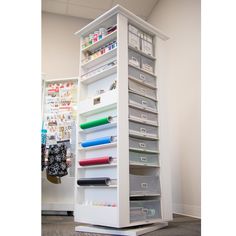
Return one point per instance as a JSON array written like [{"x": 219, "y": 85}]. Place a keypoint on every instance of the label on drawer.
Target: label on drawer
[
  {"x": 144, "y": 159},
  {"x": 144, "y": 185},
  {"x": 142, "y": 145}
]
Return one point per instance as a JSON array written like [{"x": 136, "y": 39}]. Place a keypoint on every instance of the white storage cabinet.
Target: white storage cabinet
[{"x": 139, "y": 190}]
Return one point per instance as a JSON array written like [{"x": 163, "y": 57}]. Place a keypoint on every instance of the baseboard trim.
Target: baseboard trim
[{"x": 187, "y": 210}]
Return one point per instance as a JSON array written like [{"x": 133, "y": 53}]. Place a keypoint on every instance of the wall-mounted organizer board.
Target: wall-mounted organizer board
[
  {"x": 122, "y": 173},
  {"x": 59, "y": 115}
]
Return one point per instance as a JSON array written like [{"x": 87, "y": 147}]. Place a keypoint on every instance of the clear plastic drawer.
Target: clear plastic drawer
[
  {"x": 143, "y": 145},
  {"x": 134, "y": 41},
  {"x": 142, "y": 185},
  {"x": 147, "y": 47},
  {"x": 142, "y": 89},
  {"x": 143, "y": 130},
  {"x": 142, "y": 102},
  {"x": 143, "y": 116},
  {"x": 134, "y": 58},
  {"x": 147, "y": 64},
  {"x": 142, "y": 77},
  {"x": 145, "y": 210},
  {"x": 137, "y": 214},
  {"x": 141, "y": 158}
]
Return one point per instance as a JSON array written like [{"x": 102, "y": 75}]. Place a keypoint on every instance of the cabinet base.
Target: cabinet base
[{"x": 134, "y": 231}]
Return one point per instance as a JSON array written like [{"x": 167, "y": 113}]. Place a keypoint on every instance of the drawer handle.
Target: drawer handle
[
  {"x": 143, "y": 130},
  {"x": 142, "y": 77},
  {"x": 142, "y": 145},
  {"x": 144, "y": 116},
  {"x": 144, "y": 159},
  {"x": 144, "y": 185},
  {"x": 144, "y": 103}
]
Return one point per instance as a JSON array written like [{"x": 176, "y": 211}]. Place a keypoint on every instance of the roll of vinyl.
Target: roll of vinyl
[
  {"x": 97, "y": 141},
  {"x": 94, "y": 123},
  {"x": 95, "y": 161},
  {"x": 101, "y": 181}
]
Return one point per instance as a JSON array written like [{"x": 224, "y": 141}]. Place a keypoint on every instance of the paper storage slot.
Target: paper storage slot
[
  {"x": 134, "y": 58},
  {"x": 143, "y": 145},
  {"x": 142, "y": 185},
  {"x": 144, "y": 210},
  {"x": 142, "y": 76},
  {"x": 142, "y": 102},
  {"x": 141, "y": 158},
  {"x": 143, "y": 130},
  {"x": 134, "y": 41},
  {"x": 142, "y": 89},
  {"x": 147, "y": 64},
  {"x": 143, "y": 116}
]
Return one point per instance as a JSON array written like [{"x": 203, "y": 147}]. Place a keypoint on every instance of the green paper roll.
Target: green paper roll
[{"x": 94, "y": 123}]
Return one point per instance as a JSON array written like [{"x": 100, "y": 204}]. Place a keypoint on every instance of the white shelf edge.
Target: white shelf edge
[
  {"x": 94, "y": 206},
  {"x": 138, "y": 68},
  {"x": 145, "y": 195},
  {"x": 143, "y": 165},
  {"x": 98, "y": 128},
  {"x": 107, "y": 38},
  {"x": 108, "y": 145},
  {"x": 97, "y": 166},
  {"x": 140, "y": 82},
  {"x": 100, "y": 186},
  {"x": 105, "y": 73},
  {"x": 143, "y": 136},
  {"x": 140, "y": 107},
  {"x": 143, "y": 95},
  {"x": 141, "y": 52},
  {"x": 98, "y": 110},
  {"x": 100, "y": 58},
  {"x": 143, "y": 150},
  {"x": 143, "y": 121}
]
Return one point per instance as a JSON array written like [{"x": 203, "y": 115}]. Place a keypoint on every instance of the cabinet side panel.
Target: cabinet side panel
[
  {"x": 165, "y": 173},
  {"x": 122, "y": 127}
]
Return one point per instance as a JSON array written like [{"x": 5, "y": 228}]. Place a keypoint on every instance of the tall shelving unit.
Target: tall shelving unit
[
  {"x": 139, "y": 189},
  {"x": 60, "y": 197}
]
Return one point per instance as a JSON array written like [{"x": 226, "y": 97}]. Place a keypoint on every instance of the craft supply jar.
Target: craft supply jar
[{"x": 95, "y": 36}]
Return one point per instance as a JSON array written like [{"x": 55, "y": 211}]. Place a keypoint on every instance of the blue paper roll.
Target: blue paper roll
[{"x": 97, "y": 141}]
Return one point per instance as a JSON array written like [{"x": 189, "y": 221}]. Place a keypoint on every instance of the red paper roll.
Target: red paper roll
[{"x": 95, "y": 161}]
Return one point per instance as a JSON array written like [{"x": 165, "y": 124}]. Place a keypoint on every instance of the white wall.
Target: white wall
[
  {"x": 180, "y": 20},
  {"x": 60, "y": 47}
]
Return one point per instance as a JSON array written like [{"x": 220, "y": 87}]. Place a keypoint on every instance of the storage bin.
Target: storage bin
[
  {"x": 142, "y": 89},
  {"x": 134, "y": 41},
  {"x": 147, "y": 47},
  {"x": 137, "y": 214},
  {"x": 142, "y": 102},
  {"x": 145, "y": 210},
  {"x": 143, "y": 130},
  {"x": 141, "y": 158},
  {"x": 144, "y": 185},
  {"x": 143, "y": 116},
  {"x": 147, "y": 64},
  {"x": 134, "y": 58},
  {"x": 142, "y": 76},
  {"x": 143, "y": 145}
]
